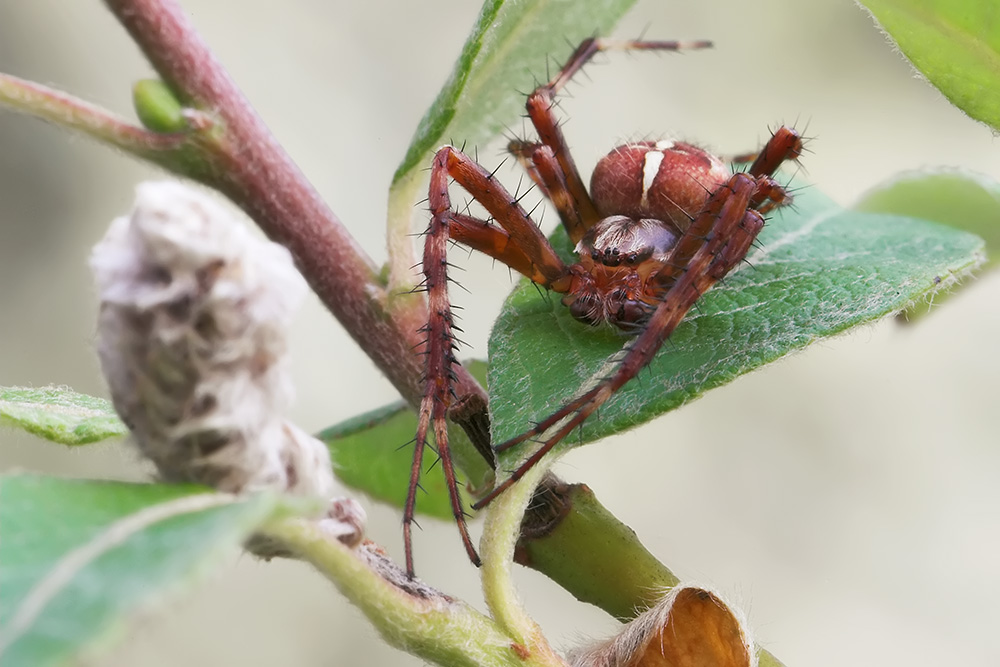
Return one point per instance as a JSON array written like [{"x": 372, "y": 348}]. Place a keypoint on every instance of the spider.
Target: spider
[{"x": 661, "y": 223}]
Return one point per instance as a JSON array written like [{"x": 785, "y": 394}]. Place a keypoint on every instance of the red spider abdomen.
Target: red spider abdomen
[{"x": 664, "y": 180}]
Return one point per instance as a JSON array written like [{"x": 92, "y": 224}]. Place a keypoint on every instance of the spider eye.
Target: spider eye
[{"x": 611, "y": 257}]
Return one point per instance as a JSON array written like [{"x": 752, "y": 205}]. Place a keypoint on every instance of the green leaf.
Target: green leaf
[
  {"x": 78, "y": 559},
  {"x": 373, "y": 452},
  {"x": 954, "y": 43},
  {"x": 60, "y": 414},
  {"x": 820, "y": 269},
  {"x": 504, "y": 57}
]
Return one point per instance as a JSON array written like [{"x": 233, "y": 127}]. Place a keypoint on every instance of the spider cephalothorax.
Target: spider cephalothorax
[
  {"x": 661, "y": 223},
  {"x": 646, "y": 194}
]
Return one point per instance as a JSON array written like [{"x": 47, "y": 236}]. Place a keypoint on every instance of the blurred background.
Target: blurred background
[{"x": 846, "y": 497}]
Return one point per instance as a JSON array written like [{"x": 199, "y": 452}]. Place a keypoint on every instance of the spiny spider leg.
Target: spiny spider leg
[
  {"x": 541, "y": 164},
  {"x": 519, "y": 244},
  {"x": 492, "y": 241},
  {"x": 542, "y": 115},
  {"x": 725, "y": 221},
  {"x": 440, "y": 355},
  {"x": 784, "y": 145}
]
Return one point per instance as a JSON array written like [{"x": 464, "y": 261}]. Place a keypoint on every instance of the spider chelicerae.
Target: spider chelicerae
[{"x": 662, "y": 222}]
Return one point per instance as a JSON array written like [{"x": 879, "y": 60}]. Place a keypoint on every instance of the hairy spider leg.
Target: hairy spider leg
[
  {"x": 784, "y": 145},
  {"x": 544, "y": 169},
  {"x": 579, "y": 214},
  {"x": 518, "y": 243},
  {"x": 725, "y": 219}
]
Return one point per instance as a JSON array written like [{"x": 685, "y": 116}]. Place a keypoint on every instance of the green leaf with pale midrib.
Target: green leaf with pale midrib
[
  {"x": 819, "y": 270},
  {"x": 60, "y": 414},
  {"x": 79, "y": 559},
  {"x": 954, "y": 43}
]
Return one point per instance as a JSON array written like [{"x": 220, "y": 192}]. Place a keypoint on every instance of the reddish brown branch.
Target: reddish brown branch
[{"x": 257, "y": 174}]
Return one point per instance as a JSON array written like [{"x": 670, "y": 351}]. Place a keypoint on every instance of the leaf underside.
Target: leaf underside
[
  {"x": 78, "y": 559},
  {"x": 60, "y": 414},
  {"x": 820, "y": 269},
  {"x": 954, "y": 43}
]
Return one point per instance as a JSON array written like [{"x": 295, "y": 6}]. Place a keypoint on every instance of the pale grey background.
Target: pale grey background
[{"x": 846, "y": 496}]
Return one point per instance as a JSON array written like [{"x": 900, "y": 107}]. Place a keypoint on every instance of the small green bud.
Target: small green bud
[{"x": 157, "y": 107}]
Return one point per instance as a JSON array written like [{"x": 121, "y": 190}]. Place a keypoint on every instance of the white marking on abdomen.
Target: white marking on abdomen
[
  {"x": 665, "y": 144},
  {"x": 650, "y": 168}
]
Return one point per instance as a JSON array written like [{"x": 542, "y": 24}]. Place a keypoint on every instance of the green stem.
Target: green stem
[
  {"x": 568, "y": 535},
  {"x": 399, "y": 243},
  {"x": 73, "y": 113},
  {"x": 500, "y": 534},
  {"x": 408, "y": 614}
]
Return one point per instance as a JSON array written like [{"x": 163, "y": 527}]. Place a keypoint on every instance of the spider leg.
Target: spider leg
[
  {"x": 539, "y": 160},
  {"x": 541, "y": 111},
  {"x": 784, "y": 144},
  {"x": 439, "y": 351},
  {"x": 528, "y": 241},
  {"x": 726, "y": 227},
  {"x": 523, "y": 151},
  {"x": 516, "y": 242},
  {"x": 493, "y": 241}
]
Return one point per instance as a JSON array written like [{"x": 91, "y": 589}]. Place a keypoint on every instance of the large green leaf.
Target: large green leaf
[
  {"x": 373, "y": 453},
  {"x": 820, "y": 269},
  {"x": 954, "y": 43},
  {"x": 78, "y": 559},
  {"x": 508, "y": 50},
  {"x": 60, "y": 414}
]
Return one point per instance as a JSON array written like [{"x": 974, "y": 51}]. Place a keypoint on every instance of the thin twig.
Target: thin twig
[{"x": 76, "y": 114}]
